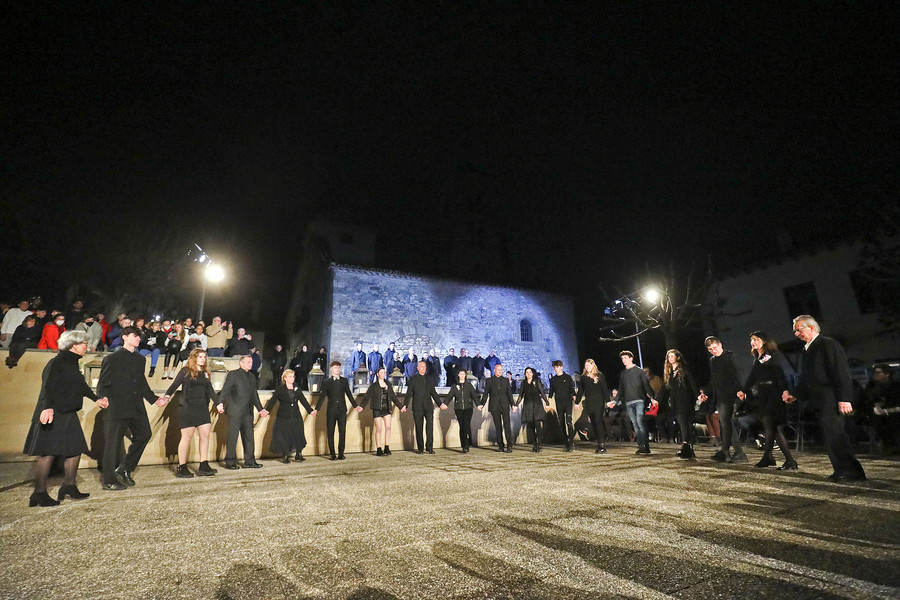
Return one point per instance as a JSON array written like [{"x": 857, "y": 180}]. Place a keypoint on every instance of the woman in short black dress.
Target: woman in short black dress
[
  {"x": 767, "y": 385},
  {"x": 193, "y": 413},
  {"x": 465, "y": 398},
  {"x": 535, "y": 407},
  {"x": 55, "y": 427},
  {"x": 288, "y": 435},
  {"x": 382, "y": 398},
  {"x": 680, "y": 390},
  {"x": 596, "y": 394}
]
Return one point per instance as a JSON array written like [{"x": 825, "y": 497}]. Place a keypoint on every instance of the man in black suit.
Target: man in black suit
[
  {"x": 450, "y": 367},
  {"x": 498, "y": 396},
  {"x": 826, "y": 385},
  {"x": 420, "y": 393},
  {"x": 334, "y": 389},
  {"x": 237, "y": 399},
  {"x": 562, "y": 389},
  {"x": 122, "y": 381}
]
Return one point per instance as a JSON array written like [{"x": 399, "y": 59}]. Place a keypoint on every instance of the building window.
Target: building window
[
  {"x": 802, "y": 300},
  {"x": 525, "y": 333}
]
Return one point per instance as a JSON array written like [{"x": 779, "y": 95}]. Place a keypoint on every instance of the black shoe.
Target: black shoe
[
  {"x": 429, "y": 452},
  {"x": 114, "y": 486},
  {"x": 252, "y": 465},
  {"x": 766, "y": 461},
  {"x": 286, "y": 460},
  {"x": 789, "y": 465},
  {"x": 231, "y": 466},
  {"x": 72, "y": 492},
  {"x": 847, "y": 477},
  {"x": 539, "y": 449},
  {"x": 500, "y": 449},
  {"x": 387, "y": 451},
  {"x": 417, "y": 451},
  {"x": 598, "y": 451},
  {"x": 601, "y": 449},
  {"x": 720, "y": 456},
  {"x": 379, "y": 452},
  {"x": 204, "y": 470},
  {"x": 644, "y": 450},
  {"x": 738, "y": 457},
  {"x": 124, "y": 476},
  {"x": 686, "y": 452},
  {"x": 341, "y": 457},
  {"x": 465, "y": 450},
  {"x": 182, "y": 472},
  {"x": 332, "y": 457},
  {"x": 42, "y": 499},
  {"x": 152, "y": 372},
  {"x": 299, "y": 457},
  {"x": 508, "y": 450}
]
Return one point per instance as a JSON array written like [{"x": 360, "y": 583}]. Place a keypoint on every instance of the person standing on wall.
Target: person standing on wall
[{"x": 374, "y": 362}]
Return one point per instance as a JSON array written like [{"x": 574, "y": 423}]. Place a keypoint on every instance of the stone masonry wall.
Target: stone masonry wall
[{"x": 381, "y": 307}]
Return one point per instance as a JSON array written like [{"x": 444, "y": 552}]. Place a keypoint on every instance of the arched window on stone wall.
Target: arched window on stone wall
[{"x": 525, "y": 333}]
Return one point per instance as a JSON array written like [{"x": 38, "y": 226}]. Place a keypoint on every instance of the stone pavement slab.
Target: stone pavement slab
[{"x": 463, "y": 526}]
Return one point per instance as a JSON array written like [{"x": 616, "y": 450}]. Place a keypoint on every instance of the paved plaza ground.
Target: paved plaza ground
[{"x": 468, "y": 526}]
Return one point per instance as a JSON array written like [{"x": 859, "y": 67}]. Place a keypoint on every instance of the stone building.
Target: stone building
[{"x": 339, "y": 305}]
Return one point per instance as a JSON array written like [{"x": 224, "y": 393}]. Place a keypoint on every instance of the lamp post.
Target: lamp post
[
  {"x": 650, "y": 294},
  {"x": 211, "y": 272}
]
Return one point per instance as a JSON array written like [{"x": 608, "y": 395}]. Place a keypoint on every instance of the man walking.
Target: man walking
[
  {"x": 634, "y": 388},
  {"x": 723, "y": 387},
  {"x": 122, "y": 381},
  {"x": 826, "y": 386},
  {"x": 420, "y": 393},
  {"x": 237, "y": 399},
  {"x": 562, "y": 390},
  {"x": 498, "y": 396},
  {"x": 334, "y": 390}
]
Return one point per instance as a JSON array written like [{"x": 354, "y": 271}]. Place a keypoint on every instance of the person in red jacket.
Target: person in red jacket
[{"x": 52, "y": 331}]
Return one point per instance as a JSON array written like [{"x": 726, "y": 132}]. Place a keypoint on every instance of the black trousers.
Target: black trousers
[
  {"x": 598, "y": 426},
  {"x": 426, "y": 420},
  {"x": 730, "y": 433},
  {"x": 242, "y": 424},
  {"x": 504, "y": 429},
  {"x": 113, "y": 433},
  {"x": 837, "y": 442},
  {"x": 464, "y": 417},
  {"x": 337, "y": 417},
  {"x": 564, "y": 414},
  {"x": 686, "y": 427},
  {"x": 536, "y": 430}
]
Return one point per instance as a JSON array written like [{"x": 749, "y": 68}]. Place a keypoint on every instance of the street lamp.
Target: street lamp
[
  {"x": 650, "y": 294},
  {"x": 211, "y": 272}
]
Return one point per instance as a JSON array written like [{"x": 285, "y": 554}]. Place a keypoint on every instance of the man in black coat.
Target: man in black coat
[
  {"x": 498, "y": 396},
  {"x": 237, "y": 399},
  {"x": 478, "y": 365},
  {"x": 826, "y": 386},
  {"x": 122, "y": 381},
  {"x": 334, "y": 389},
  {"x": 724, "y": 384},
  {"x": 420, "y": 393},
  {"x": 451, "y": 367},
  {"x": 562, "y": 390}
]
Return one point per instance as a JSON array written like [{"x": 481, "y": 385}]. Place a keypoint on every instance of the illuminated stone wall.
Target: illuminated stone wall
[{"x": 371, "y": 306}]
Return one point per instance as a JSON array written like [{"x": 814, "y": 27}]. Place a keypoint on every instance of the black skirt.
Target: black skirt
[
  {"x": 288, "y": 436},
  {"x": 533, "y": 410},
  {"x": 62, "y": 437},
  {"x": 381, "y": 413},
  {"x": 193, "y": 412}
]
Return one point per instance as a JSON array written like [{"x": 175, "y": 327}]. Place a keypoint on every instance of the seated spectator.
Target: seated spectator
[
  {"x": 11, "y": 321},
  {"x": 27, "y": 336},
  {"x": 76, "y": 313},
  {"x": 114, "y": 336},
  {"x": 51, "y": 333},
  {"x": 95, "y": 332},
  {"x": 153, "y": 341},
  {"x": 883, "y": 396},
  {"x": 195, "y": 339}
]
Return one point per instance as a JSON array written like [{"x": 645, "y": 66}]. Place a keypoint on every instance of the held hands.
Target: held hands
[
  {"x": 264, "y": 413},
  {"x": 515, "y": 409},
  {"x": 221, "y": 408},
  {"x": 161, "y": 401},
  {"x": 741, "y": 396},
  {"x": 403, "y": 409},
  {"x": 46, "y": 416},
  {"x": 786, "y": 396},
  {"x": 443, "y": 407},
  {"x": 359, "y": 409},
  {"x": 845, "y": 408},
  {"x": 611, "y": 404},
  {"x": 314, "y": 412},
  {"x": 103, "y": 402},
  {"x": 702, "y": 397}
]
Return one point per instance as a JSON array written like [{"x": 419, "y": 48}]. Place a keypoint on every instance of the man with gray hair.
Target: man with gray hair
[{"x": 826, "y": 386}]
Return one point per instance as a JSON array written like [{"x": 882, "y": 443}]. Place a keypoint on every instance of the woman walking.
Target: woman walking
[
  {"x": 680, "y": 389},
  {"x": 595, "y": 392},
  {"x": 288, "y": 435},
  {"x": 464, "y": 397},
  {"x": 193, "y": 414},
  {"x": 55, "y": 427},
  {"x": 381, "y": 397},
  {"x": 534, "y": 408}
]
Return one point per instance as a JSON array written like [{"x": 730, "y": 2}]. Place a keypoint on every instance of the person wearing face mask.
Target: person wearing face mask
[{"x": 51, "y": 333}]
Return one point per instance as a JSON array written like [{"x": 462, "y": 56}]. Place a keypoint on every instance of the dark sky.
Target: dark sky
[{"x": 585, "y": 139}]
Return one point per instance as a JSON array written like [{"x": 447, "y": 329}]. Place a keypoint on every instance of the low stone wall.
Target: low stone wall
[{"x": 19, "y": 389}]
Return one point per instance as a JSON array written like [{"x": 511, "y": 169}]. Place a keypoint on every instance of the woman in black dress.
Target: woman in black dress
[
  {"x": 465, "y": 399},
  {"x": 535, "y": 407},
  {"x": 193, "y": 413},
  {"x": 767, "y": 385},
  {"x": 288, "y": 435},
  {"x": 381, "y": 397},
  {"x": 596, "y": 394},
  {"x": 55, "y": 427},
  {"x": 680, "y": 390}
]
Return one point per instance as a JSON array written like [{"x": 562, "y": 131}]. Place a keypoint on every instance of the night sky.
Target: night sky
[{"x": 575, "y": 141}]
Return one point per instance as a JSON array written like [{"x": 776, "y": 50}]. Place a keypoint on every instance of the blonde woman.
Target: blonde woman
[
  {"x": 596, "y": 394},
  {"x": 288, "y": 435},
  {"x": 193, "y": 414}
]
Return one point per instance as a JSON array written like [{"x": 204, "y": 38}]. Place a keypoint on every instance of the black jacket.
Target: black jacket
[
  {"x": 562, "y": 389},
  {"x": 419, "y": 391},
  {"x": 825, "y": 374},
  {"x": 373, "y": 396},
  {"x": 288, "y": 402},
  {"x": 464, "y": 395},
  {"x": 123, "y": 383},
  {"x": 724, "y": 381},
  {"x": 333, "y": 393},
  {"x": 681, "y": 393},
  {"x": 239, "y": 393},
  {"x": 497, "y": 394},
  {"x": 63, "y": 387},
  {"x": 595, "y": 394}
]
